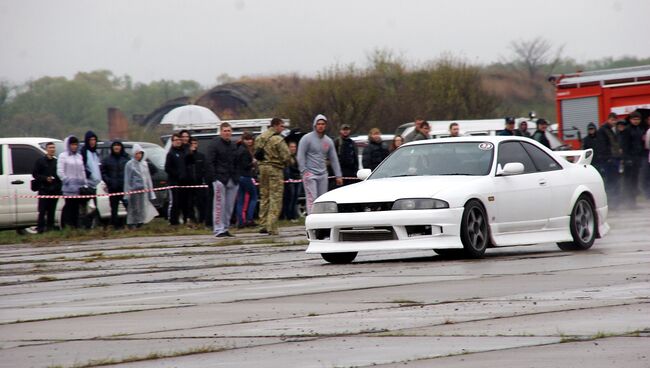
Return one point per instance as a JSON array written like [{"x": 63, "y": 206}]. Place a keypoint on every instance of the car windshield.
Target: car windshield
[{"x": 462, "y": 158}]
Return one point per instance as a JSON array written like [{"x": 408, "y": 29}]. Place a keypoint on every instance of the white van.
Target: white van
[{"x": 17, "y": 158}]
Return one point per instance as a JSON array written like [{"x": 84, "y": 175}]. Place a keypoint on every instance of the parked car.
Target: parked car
[
  {"x": 17, "y": 158},
  {"x": 460, "y": 196},
  {"x": 361, "y": 141},
  {"x": 482, "y": 127},
  {"x": 155, "y": 156}
]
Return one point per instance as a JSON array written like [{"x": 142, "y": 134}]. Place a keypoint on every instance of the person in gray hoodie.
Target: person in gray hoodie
[
  {"x": 70, "y": 169},
  {"x": 314, "y": 149}
]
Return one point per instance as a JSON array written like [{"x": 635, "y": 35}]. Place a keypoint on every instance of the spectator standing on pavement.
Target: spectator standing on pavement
[
  {"x": 314, "y": 150},
  {"x": 607, "y": 159},
  {"x": 409, "y": 137},
  {"x": 454, "y": 130},
  {"x": 137, "y": 177},
  {"x": 48, "y": 183},
  {"x": 397, "y": 141},
  {"x": 93, "y": 174},
  {"x": 71, "y": 170},
  {"x": 112, "y": 169},
  {"x": 347, "y": 153},
  {"x": 590, "y": 140},
  {"x": 540, "y": 133},
  {"x": 291, "y": 185},
  {"x": 273, "y": 160},
  {"x": 633, "y": 155},
  {"x": 646, "y": 183},
  {"x": 523, "y": 129},
  {"x": 423, "y": 132},
  {"x": 223, "y": 157},
  {"x": 197, "y": 167},
  {"x": 376, "y": 151},
  {"x": 177, "y": 174},
  {"x": 509, "y": 129},
  {"x": 247, "y": 195}
]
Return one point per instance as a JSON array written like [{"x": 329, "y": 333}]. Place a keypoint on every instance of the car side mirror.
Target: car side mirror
[
  {"x": 363, "y": 174},
  {"x": 511, "y": 168}
]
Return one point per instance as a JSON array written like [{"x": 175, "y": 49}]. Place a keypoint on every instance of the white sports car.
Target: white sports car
[{"x": 459, "y": 196}]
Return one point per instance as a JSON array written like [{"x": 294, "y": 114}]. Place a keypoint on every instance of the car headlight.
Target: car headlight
[
  {"x": 325, "y": 207},
  {"x": 419, "y": 204}
]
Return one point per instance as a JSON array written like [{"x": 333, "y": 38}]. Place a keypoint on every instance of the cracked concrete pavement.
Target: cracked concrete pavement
[{"x": 191, "y": 301}]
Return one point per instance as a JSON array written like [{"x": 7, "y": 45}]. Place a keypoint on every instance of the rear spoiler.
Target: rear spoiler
[{"x": 578, "y": 157}]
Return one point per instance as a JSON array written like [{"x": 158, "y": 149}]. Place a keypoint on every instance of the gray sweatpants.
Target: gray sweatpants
[
  {"x": 224, "y": 203},
  {"x": 315, "y": 186}
]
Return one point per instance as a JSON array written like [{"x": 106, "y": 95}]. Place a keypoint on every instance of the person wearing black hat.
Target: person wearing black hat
[
  {"x": 633, "y": 155},
  {"x": 509, "y": 128},
  {"x": 540, "y": 133},
  {"x": 590, "y": 140},
  {"x": 347, "y": 153},
  {"x": 607, "y": 158}
]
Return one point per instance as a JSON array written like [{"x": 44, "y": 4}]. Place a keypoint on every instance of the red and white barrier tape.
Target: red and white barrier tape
[
  {"x": 103, "y": 194},
  {"x": 88, "y": 196}
]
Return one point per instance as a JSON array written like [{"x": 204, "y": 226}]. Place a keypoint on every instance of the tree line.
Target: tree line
[{"x": 384, "y": 93}]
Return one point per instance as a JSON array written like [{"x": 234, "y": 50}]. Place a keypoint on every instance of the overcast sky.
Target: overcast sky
[{"x": 202, "y": 39}]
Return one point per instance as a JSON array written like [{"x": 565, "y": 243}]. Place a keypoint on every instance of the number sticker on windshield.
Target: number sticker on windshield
[{"x": 485, "y": 146}]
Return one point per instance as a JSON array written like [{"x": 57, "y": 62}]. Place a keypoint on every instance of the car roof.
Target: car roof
[
  {"x": 27, "y": 140},
  {"x": 127, "y": 143},
  {"x": 478, "y": 138}
]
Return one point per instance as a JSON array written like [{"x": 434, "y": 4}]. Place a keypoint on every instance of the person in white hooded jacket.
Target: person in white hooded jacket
[
  {"x": 70, "y": 169},
  {"x": 314, "y": 149},
  {"x": 139, "y": 209}
]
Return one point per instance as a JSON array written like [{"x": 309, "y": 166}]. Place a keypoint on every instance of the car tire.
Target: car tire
[
  {"x": 339, "y": 258},
  {"x": 474, "y": 230},
  {"x": 582, "y": 224}
]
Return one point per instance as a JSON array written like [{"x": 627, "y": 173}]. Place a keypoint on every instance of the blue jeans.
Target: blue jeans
[{"x": 246, "y": 201}]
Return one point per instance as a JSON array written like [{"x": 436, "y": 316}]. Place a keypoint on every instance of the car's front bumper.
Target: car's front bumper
[{"x": 331, "y": 232}]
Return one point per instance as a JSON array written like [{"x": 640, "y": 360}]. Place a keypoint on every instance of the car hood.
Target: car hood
[{"x": 391, "y": 189}]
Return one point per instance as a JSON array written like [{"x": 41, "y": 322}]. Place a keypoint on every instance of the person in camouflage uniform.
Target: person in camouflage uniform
[{"x": 275, "y": 157}]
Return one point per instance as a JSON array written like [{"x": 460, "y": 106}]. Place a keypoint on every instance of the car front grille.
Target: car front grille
[
  {"x": 354, "y": 234},
  {"x": 365, "y": 207}
]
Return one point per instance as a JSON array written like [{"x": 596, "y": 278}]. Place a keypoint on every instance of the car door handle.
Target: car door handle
[
  {"x": 17, "y": 182},
  {"x": 542, "y": 182}
]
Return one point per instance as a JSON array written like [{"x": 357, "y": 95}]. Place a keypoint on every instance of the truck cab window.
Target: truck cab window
[{"x": 23, "y": 159}]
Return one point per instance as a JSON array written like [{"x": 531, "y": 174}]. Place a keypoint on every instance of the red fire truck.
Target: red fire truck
[{"x": 586, "y": 97}]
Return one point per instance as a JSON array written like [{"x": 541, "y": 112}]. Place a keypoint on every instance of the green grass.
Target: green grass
[{"x": 157, "y": 227}]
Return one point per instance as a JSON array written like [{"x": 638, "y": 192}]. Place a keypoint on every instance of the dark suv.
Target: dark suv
[{"x": 155, "y": 156}]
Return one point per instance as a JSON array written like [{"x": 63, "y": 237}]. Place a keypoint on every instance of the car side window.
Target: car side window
[
  {"x": 1, "y": 162},
  {"x": 514, "y": 152},
  {"x": 542, "y": 160},
  {"x": 23, "y": 159}
]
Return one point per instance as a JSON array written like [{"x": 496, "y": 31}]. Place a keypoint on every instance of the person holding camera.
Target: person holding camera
[{"x": 46, "y": 183}]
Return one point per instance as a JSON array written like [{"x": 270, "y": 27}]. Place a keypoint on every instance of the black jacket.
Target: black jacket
[
  {"x": 176, "y": 166},
  {"x": 590, "y": 141},
  {"x": 197, "y": 171},
  {"x": 607, "y": 144},
  {"x": 292, "y": 171},
  {"x": 374, "y": 154},
  {"x": 44, "y": 168},
  {"x": 348, "y": 156},
  {"x": 246, "y": 162},
  {"x": 540, "y": 136},
  {"x": 223, "y": 158},
  {"x": 632, "y": 142},
  {"x": 113, "y": 169}
]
